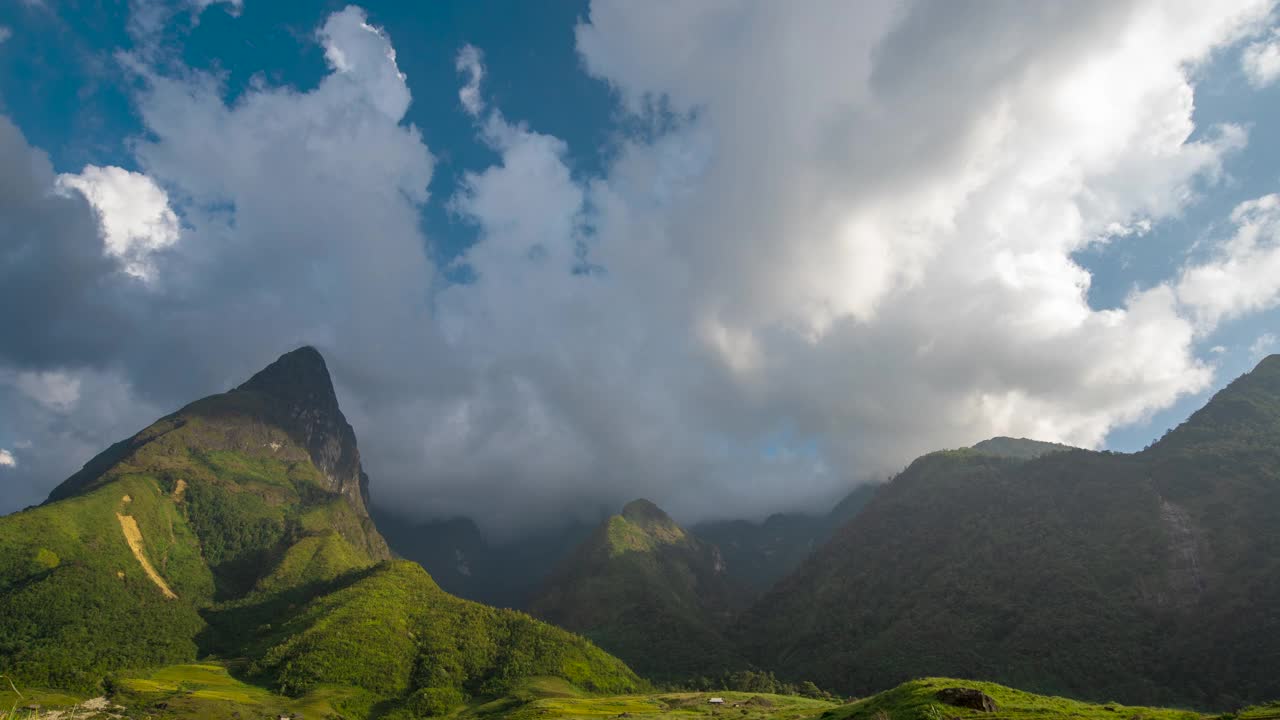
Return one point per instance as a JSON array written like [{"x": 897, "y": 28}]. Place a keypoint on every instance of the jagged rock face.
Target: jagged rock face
[{"x": 300, "y": 381}]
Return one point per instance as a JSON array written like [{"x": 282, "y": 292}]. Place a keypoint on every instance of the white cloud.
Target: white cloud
[
  {"x": 1264, "y": 345},
  {"x": 57, "y": 391},
  {"x": 7, "y": 459},
  {"x": 149, "y": 20},
  {"x": 234, "y": 6},
  {"x": 5, "y": 33},
  {"x": 469, "y": 64},
  {"x": 1261, "y": 60},
  {"x": 1244, "y": 274},
  {"x": 134, "y": 211},
  {"x": 362, "y": 55}
]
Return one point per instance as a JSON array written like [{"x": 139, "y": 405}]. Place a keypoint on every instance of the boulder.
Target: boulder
[{"x": 968, "y": 698}]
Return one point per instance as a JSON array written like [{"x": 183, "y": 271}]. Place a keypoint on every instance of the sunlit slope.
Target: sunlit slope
[{"x": 647, "y": 591}]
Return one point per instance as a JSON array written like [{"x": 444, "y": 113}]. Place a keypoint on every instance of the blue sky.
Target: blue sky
[
  {"x": 60, "y": 83},
  {"x": 728, "y": 257}
]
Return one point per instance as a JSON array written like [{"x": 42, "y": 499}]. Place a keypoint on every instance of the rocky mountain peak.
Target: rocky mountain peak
[
  {"x": 300, "y": 383},
  {"x": 299, "y": 377},
  {"x": 644, "y": 511}
]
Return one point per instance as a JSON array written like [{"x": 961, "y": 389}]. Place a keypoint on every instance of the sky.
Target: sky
[{"x": 734, "y": 257}]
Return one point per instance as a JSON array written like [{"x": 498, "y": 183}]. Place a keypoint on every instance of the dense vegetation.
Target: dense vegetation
[
  {"x": 394, "y": 632},
  {"x": 1152, "y": 577},
  {"x": 647, "y": 591},
  {"x": 237, "y": 527}
]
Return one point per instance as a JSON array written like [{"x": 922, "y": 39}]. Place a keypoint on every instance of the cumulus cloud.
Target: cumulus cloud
[
  {"x": 1244, "y": 274},
  {"x": 5, "y": 33},
  {"x": 7, "y": 459},
  {"x": 846, "y": 237},
  {"x": 1261, "y": 60},
  {"x": 468, "y": 63},
  {"x": 134, "y": 213},
  {"x": 1264, "y": 345}
]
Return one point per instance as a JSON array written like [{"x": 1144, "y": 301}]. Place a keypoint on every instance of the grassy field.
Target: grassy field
[
  {"x": 208, "y": 691},
  {"x": 197, "y": 691},
  {"x": 917, "y": 700},
  {"x": 551, "y": 698}
]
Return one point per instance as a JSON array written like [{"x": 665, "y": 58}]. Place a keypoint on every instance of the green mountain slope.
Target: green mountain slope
[
  {"x": 238, "y": 527},
  {"x": 647, "y": 591},
  {"x": 1152, "y": 577},
  {"x": 205, "y": 504}
]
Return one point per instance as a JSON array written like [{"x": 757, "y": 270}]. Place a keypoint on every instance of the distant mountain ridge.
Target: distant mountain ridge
[
  {"x": 1018, "y": 448},
  {"x": 757, "y": 555},
  {"x": 467, "y": 564},
  {"x": 1152, "y": 577}
]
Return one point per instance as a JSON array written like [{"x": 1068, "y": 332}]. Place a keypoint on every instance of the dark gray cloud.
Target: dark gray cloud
[{"x": 58, "y": 301}]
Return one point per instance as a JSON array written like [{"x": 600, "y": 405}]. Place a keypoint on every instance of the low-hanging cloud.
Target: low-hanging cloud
[{"x": 850, "y": 242}]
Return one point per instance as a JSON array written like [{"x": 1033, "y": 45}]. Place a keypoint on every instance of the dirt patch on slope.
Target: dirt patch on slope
[{"x": 133, "y": 536}]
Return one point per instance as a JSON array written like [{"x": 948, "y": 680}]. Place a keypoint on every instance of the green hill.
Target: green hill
[
  {"x": 647, "y": 591},
  {"x": 238, "y": 527},
  {"x": 1152, "y": 577},
  {"x": 928, "y": 699}
]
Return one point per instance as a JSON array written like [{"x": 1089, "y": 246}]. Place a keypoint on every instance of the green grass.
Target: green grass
[
  {"x": 15, "y": 701},
  {"x": 551, "y": 698},
  {"x": 917, "y": 700},
  {"x": 200, "y": 691},
  {"x": 204, "y": 691},
  {"x": 395, "y": 633}
]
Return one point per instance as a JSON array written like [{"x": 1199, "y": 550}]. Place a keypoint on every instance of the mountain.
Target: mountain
[
  {"x": 1018, "y": 448},
  {"x": 467, "y": 564},
  {"x": 647, "y": 591},
  {"x": 1151, "y": 577},
  {"x": 758, "y": 554},
  {"x": 237, "y": 527}
]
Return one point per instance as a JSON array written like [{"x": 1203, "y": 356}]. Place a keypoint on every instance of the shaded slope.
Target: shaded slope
[
  {"x": 1148, "y": 578},
  {"x": 465, "y": 563},
  {"x": 647, "y": 591},
  {"x": 758, "y": 554}
]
